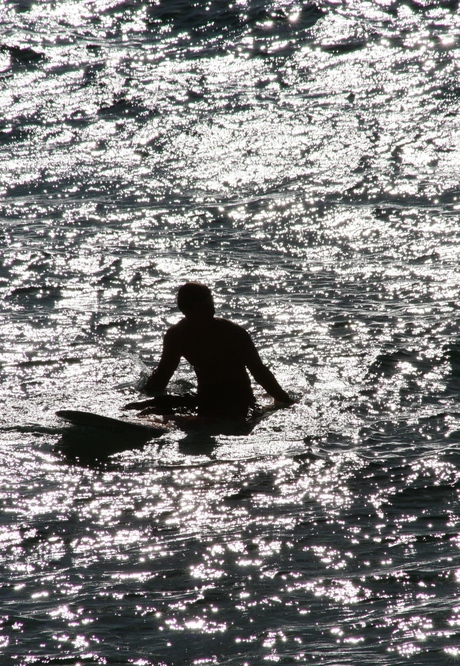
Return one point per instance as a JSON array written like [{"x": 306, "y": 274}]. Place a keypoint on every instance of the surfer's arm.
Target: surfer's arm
[
  {"x": 264, "y": 376},
  {"x": 169, "y": 361}
]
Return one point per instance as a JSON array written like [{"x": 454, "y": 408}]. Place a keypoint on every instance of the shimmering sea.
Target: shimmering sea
[{"x": 303, "y": 160}]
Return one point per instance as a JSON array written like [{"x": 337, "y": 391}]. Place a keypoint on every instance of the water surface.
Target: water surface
[{"x": 303, "y": 161}]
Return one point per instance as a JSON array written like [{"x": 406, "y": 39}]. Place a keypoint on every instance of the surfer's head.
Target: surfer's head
[{"x": 195, "y": 299}]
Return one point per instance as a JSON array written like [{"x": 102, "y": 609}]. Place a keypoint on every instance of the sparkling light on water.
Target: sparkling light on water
[{"x": 303, "y": 161}]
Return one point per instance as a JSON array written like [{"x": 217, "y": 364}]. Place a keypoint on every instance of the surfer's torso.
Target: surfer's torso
[{"x": 219, "y": 352}]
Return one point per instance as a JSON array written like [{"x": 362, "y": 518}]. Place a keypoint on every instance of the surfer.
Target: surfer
[{"x": 220, "y": 352}]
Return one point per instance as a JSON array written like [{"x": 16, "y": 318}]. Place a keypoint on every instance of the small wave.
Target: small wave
[{"x": 23, "y": 56}]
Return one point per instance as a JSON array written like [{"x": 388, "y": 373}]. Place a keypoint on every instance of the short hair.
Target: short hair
[{"x": 192, "y": 294}]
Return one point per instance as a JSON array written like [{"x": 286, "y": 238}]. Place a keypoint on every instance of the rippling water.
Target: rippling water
[{"x": 302, "y": 160}]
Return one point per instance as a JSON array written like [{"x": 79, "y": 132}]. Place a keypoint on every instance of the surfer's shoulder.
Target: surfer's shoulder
[
  {"x": 176, "y": 331},
  {"x": 229, "y": 327}
]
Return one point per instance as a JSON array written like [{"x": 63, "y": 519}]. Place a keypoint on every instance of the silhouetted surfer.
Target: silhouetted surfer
[{"x": 220, "y": 352}]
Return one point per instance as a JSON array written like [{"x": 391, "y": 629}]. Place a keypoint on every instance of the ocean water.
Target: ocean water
[{"x": 304, "y": 161}]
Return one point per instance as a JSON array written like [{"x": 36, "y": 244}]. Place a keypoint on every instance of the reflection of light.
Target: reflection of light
[
  {"x": 452, "y": 651},
  {"x": 206, "y": 573},
  {"x": 198, "y": 624}
]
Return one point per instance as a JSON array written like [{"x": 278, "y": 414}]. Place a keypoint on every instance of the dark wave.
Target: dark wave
[{"x": 224, "y": 17}]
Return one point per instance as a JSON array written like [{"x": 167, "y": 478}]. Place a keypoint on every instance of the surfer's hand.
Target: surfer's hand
[
  {"x": 139, "y": 404},
  {"x": 132, "y": 405},
  {"x": 288, "y": 402}
]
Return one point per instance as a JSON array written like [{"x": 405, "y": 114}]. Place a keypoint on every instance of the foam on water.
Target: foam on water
[{"x": 303, "y": 161}]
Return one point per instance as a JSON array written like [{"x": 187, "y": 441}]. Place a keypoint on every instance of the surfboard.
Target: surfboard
[
  {"x": 120, "y": 426},
  {"x": 92, "y": 438}
]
